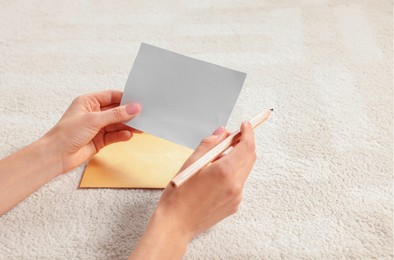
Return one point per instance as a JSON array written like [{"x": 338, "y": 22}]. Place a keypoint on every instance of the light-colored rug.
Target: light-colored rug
[{"x": 322, "y": 185}]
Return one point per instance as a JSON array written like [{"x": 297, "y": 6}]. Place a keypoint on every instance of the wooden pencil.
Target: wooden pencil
[{"x": 232, "y": 139}]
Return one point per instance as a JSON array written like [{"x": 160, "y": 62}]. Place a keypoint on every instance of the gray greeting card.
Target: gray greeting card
[{"x": 183, "y": 99}]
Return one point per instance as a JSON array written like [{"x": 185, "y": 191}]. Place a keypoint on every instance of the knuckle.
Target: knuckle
[
  {"x": 254, "y": 156},
  {"x": 238, "y": 199},
  {"x": 249, "y": 145},
  {"x": 117, "y": 113},
  {"x": 81, "y": 99},
  {"x": 78, "y": 100},
  {"x": 223, "y": 170},
  {"x": 234, "y": 190},
  {"x": 206, "y": 141},
  {"x": 234, "y": 209}
]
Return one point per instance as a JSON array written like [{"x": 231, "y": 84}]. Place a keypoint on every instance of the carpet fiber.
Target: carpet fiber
[{"x": 322, "y": 185}]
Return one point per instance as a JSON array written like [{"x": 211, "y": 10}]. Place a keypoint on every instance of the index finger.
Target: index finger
[
  {"x": 108, "y": 97},
  {"x": 243, "y": 154}
]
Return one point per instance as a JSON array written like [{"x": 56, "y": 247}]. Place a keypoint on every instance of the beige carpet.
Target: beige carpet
[{"x": 322, "y": 185}]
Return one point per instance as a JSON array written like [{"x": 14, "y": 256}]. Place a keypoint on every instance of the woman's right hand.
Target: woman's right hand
[{"x": 208, "y": 197}]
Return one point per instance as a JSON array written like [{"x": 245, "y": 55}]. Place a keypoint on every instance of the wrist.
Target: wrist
[
  {"x": 26, "y": 170},
  {"x": 172, "y": 225},
  {"x": 48, "y": 154},
  {"x": 162, "y": 239}
]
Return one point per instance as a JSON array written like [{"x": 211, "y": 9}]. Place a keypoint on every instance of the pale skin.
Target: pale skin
[{"x": 208, "y": 197}]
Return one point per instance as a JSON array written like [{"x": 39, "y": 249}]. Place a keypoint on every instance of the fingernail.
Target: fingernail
[
  {"x": 219, "y": 131},
  {"x": 133, "y": 109}
]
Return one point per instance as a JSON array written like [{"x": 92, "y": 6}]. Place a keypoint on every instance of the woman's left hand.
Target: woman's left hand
[{"x": 91, "y": 122}]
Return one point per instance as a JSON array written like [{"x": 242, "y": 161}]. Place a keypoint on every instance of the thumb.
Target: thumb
[{"x": 119, "y": 114}]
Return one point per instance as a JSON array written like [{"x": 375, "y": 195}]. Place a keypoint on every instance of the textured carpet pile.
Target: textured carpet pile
[{"x": 322, "y": 185}]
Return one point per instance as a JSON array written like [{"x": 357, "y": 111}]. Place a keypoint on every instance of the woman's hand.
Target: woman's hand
[
  {"x": 91, "y": 122},
  {"x": 216, "y": 191},
  {"x": 208, "y": 197}
]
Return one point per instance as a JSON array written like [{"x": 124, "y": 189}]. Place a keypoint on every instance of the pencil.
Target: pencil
[{"x": 232, "y": 139}]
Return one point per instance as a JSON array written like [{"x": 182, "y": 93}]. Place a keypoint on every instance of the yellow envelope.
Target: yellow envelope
[{"x": 145, "y": 161}]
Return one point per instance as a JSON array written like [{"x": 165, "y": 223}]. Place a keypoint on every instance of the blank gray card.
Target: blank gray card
[{"x": 183, "y": 99}]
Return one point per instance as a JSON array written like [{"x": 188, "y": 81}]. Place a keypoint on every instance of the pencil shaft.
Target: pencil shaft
[{"x": 216, "y": 151}]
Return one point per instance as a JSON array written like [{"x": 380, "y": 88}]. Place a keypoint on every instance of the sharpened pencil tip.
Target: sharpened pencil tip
[{"x": 272, "y": 109}]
